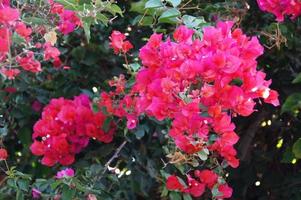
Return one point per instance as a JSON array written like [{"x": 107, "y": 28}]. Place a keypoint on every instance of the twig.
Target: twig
[
  {"x": 188, "y": 2},
  {"x": 112, "y": 159}
]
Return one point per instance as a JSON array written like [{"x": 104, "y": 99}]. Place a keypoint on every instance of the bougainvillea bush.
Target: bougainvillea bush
[{"x": 149, "y": 99}]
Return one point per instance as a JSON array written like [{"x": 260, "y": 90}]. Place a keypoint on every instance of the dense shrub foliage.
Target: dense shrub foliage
[{"x": 150, "y": 99}]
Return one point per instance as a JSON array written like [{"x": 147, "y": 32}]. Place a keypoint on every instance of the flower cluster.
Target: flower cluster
[
  {"x": 196, "y": 186},
  {"x": 65, "y": 129},
  {"x": 118, "y": 103},
  {"x": 280, "y": 8},
  {"x": 200, "y": 85},
  {"x": 68, "y": 18},
  {"x": 25, "y": 53}
]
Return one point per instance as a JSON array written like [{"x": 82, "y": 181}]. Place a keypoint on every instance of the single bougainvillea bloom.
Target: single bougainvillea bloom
[
  {"x": 10, "y": 73},
  {"x": 118, "y": 42},
  {"x": 23, "y": 30},
  {"x": 3, "y": 154},
  {"x": 8, "y": 15},
  {"x": 65, "y": 173},
  {"x": 36, "y": 194},
  {"x": 173, "y": 183},
  {"x": 68, "y": 21},
  {"x": 51, "y": 52},
  {"x": 29, "y": 63},
  {"x": 36, "y": 106},
  {"x": 10, "y": 89}
]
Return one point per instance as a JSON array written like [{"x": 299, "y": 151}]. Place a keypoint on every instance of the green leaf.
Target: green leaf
[
  {"x": 297, "y": 148},
  {"x": 175, "y": 196},
  {"x": 115, "y": 9},
  {"x": 19, "y": 195},
  {"x": 164, "y": 192},
  {"x": 153, "y": 4},
  {"x": 174, "y": 3},
  {"x": 187, "y": 197},
  {"x": 169, "y": 13},
  {"x": 216, "y": 192},
  {"x": 102, "y": 18},
  {"x": 138, "y": 6},
  {"x": 67, "y": 193},
  {"x": 203, "y": 155},
  {"x": 288, "y": 155},
  {"x": 35, "y": 20},
  {"x": 17, "y": 39},
  {"x": 140, "y": 133},
  {"x": 12, "y": 183},
  {"x": 24, "y": 135},
  {"x": 55, "y": 184},
  {"x": 23, "y": 184},
  {"x": 292, "y": 103},
  {"x": 87, "y": 30},
  {"x": 134, "y": 66},
  {"x": 143, "y": 21},
  {"x": 193, "y": 22},
  {"x": 69, "y": 4},
  {"x": 107, "y": 123},
  {"x": 297, "y": 79}
]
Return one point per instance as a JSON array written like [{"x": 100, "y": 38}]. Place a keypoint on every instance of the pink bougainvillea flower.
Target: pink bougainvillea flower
[
  {"x": 91, "y": 197},
  {"x": 36, "y": 194},
  {"x": 173, "y": 183},
  {"x": 66, "y": 27},
  {"x": 8, "y": 15},
  {"x": 65, "y": 129},
  {"x": 68, "y": 21},
  {"x": 65, "y": 173},
  {"x": 4, "y": 3},
  {"x": 195, "y": 188},
  {"x": 131, "y": 122},
  {"x": 29, "y": 63},
  {"x": 57, "y": 63},
  {"x": 199, "y": 85},
  {"x": 118, "y": 42},
  {"x": 225, "y": 190},
  {"x": 281, "y": 8},
  {"x": 56, "y": 8},
  {"x": 36, "y": 106},
  {"x": 51, "y": 52},
  {"x": 23, "y": 30},
  {"x": 3, "y": 154},
  {"x": 208, "y": 177},
  {"x": 10, "y": 73},
  {"x": 5, "y": 40},
  {"x": 10, "y": 89}
]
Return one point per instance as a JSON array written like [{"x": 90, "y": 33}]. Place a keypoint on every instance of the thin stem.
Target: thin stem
[
  {"x": 126, "y": 60},
  {"x": 188, "y": 2},
  {"x": 6, "y": 165},
  {"x": 116, "y": 154},
  {"x": 190, "y": 8},
  {"x": 139, "y": 23},
  {"x": 9, "y": 49}
]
